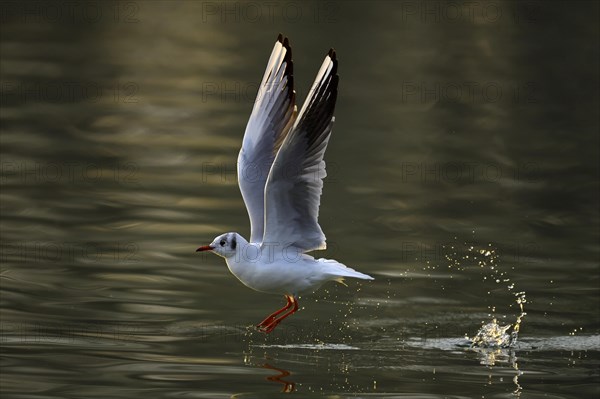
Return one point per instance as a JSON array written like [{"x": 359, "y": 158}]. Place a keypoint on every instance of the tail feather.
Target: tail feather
[{"x": 338, "y": 271}]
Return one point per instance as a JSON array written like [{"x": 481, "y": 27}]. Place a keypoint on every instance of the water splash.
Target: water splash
[
  {"x": 491, "y": 334},
  {"x": 494, "y": 342}
]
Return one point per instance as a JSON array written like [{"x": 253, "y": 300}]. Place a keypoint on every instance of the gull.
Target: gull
[{"x": 280, "y": 173}]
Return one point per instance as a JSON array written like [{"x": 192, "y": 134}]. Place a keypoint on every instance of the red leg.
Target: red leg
[
  {"x": 267, "y": 328},
  {"x": 273, "y": 315}
]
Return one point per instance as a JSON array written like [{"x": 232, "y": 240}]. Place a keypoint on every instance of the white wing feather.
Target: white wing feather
[
  {"x": 272, "y": 116},
  {"x": 295, "y": 181}
]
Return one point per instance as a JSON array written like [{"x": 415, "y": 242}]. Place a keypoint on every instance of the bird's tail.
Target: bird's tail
[{"x": 338, "y": 271}]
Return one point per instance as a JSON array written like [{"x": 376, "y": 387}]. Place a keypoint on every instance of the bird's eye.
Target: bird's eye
[{"x": 222, "y": 243}]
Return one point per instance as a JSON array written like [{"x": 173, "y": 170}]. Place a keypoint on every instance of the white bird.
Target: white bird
[{"x": 280, "y": 174}]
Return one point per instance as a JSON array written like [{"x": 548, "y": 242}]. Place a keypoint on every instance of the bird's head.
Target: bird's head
[{"x": 225, "y": 245}]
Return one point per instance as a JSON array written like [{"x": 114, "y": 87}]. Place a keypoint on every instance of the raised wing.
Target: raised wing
[
  {"x": 295, "y": 182},
  {"x": 272, "y": 117}
]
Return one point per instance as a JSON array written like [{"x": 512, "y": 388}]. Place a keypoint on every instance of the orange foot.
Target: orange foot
[{"x": 269, "y": 323}]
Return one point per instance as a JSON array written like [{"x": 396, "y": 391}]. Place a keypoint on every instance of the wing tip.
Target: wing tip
[
  {"x": 289, "y": 66},
  {"x": 332, "y": 54},
  {"x": 288, "y": 57},
  {"x": 285, "y": 41}
]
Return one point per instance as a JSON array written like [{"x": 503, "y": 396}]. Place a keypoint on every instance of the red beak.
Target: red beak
[{"x": 205, "y": 248}]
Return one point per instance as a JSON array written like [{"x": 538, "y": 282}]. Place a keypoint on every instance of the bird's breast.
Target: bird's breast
[{"x": 275, "y": 276}]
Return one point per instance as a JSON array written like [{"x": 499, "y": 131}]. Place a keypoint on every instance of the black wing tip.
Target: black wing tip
[
  {"x": 286, "y": 45},
  {"x": 284, "y": 40},
  {"x": 332, "y": 54},
  {"x": 289, "y": 70}
]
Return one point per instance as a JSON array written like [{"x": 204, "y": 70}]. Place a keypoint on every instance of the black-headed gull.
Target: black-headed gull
[{"x": 280, "y": 174}]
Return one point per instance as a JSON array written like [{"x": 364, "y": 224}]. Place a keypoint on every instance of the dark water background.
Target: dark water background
[{"x": 460, "y": 128}]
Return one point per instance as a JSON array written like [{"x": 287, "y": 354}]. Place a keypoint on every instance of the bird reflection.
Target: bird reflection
[
  {"x": 287, "y": 386},
  {"x": 490, "y": 356}
]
